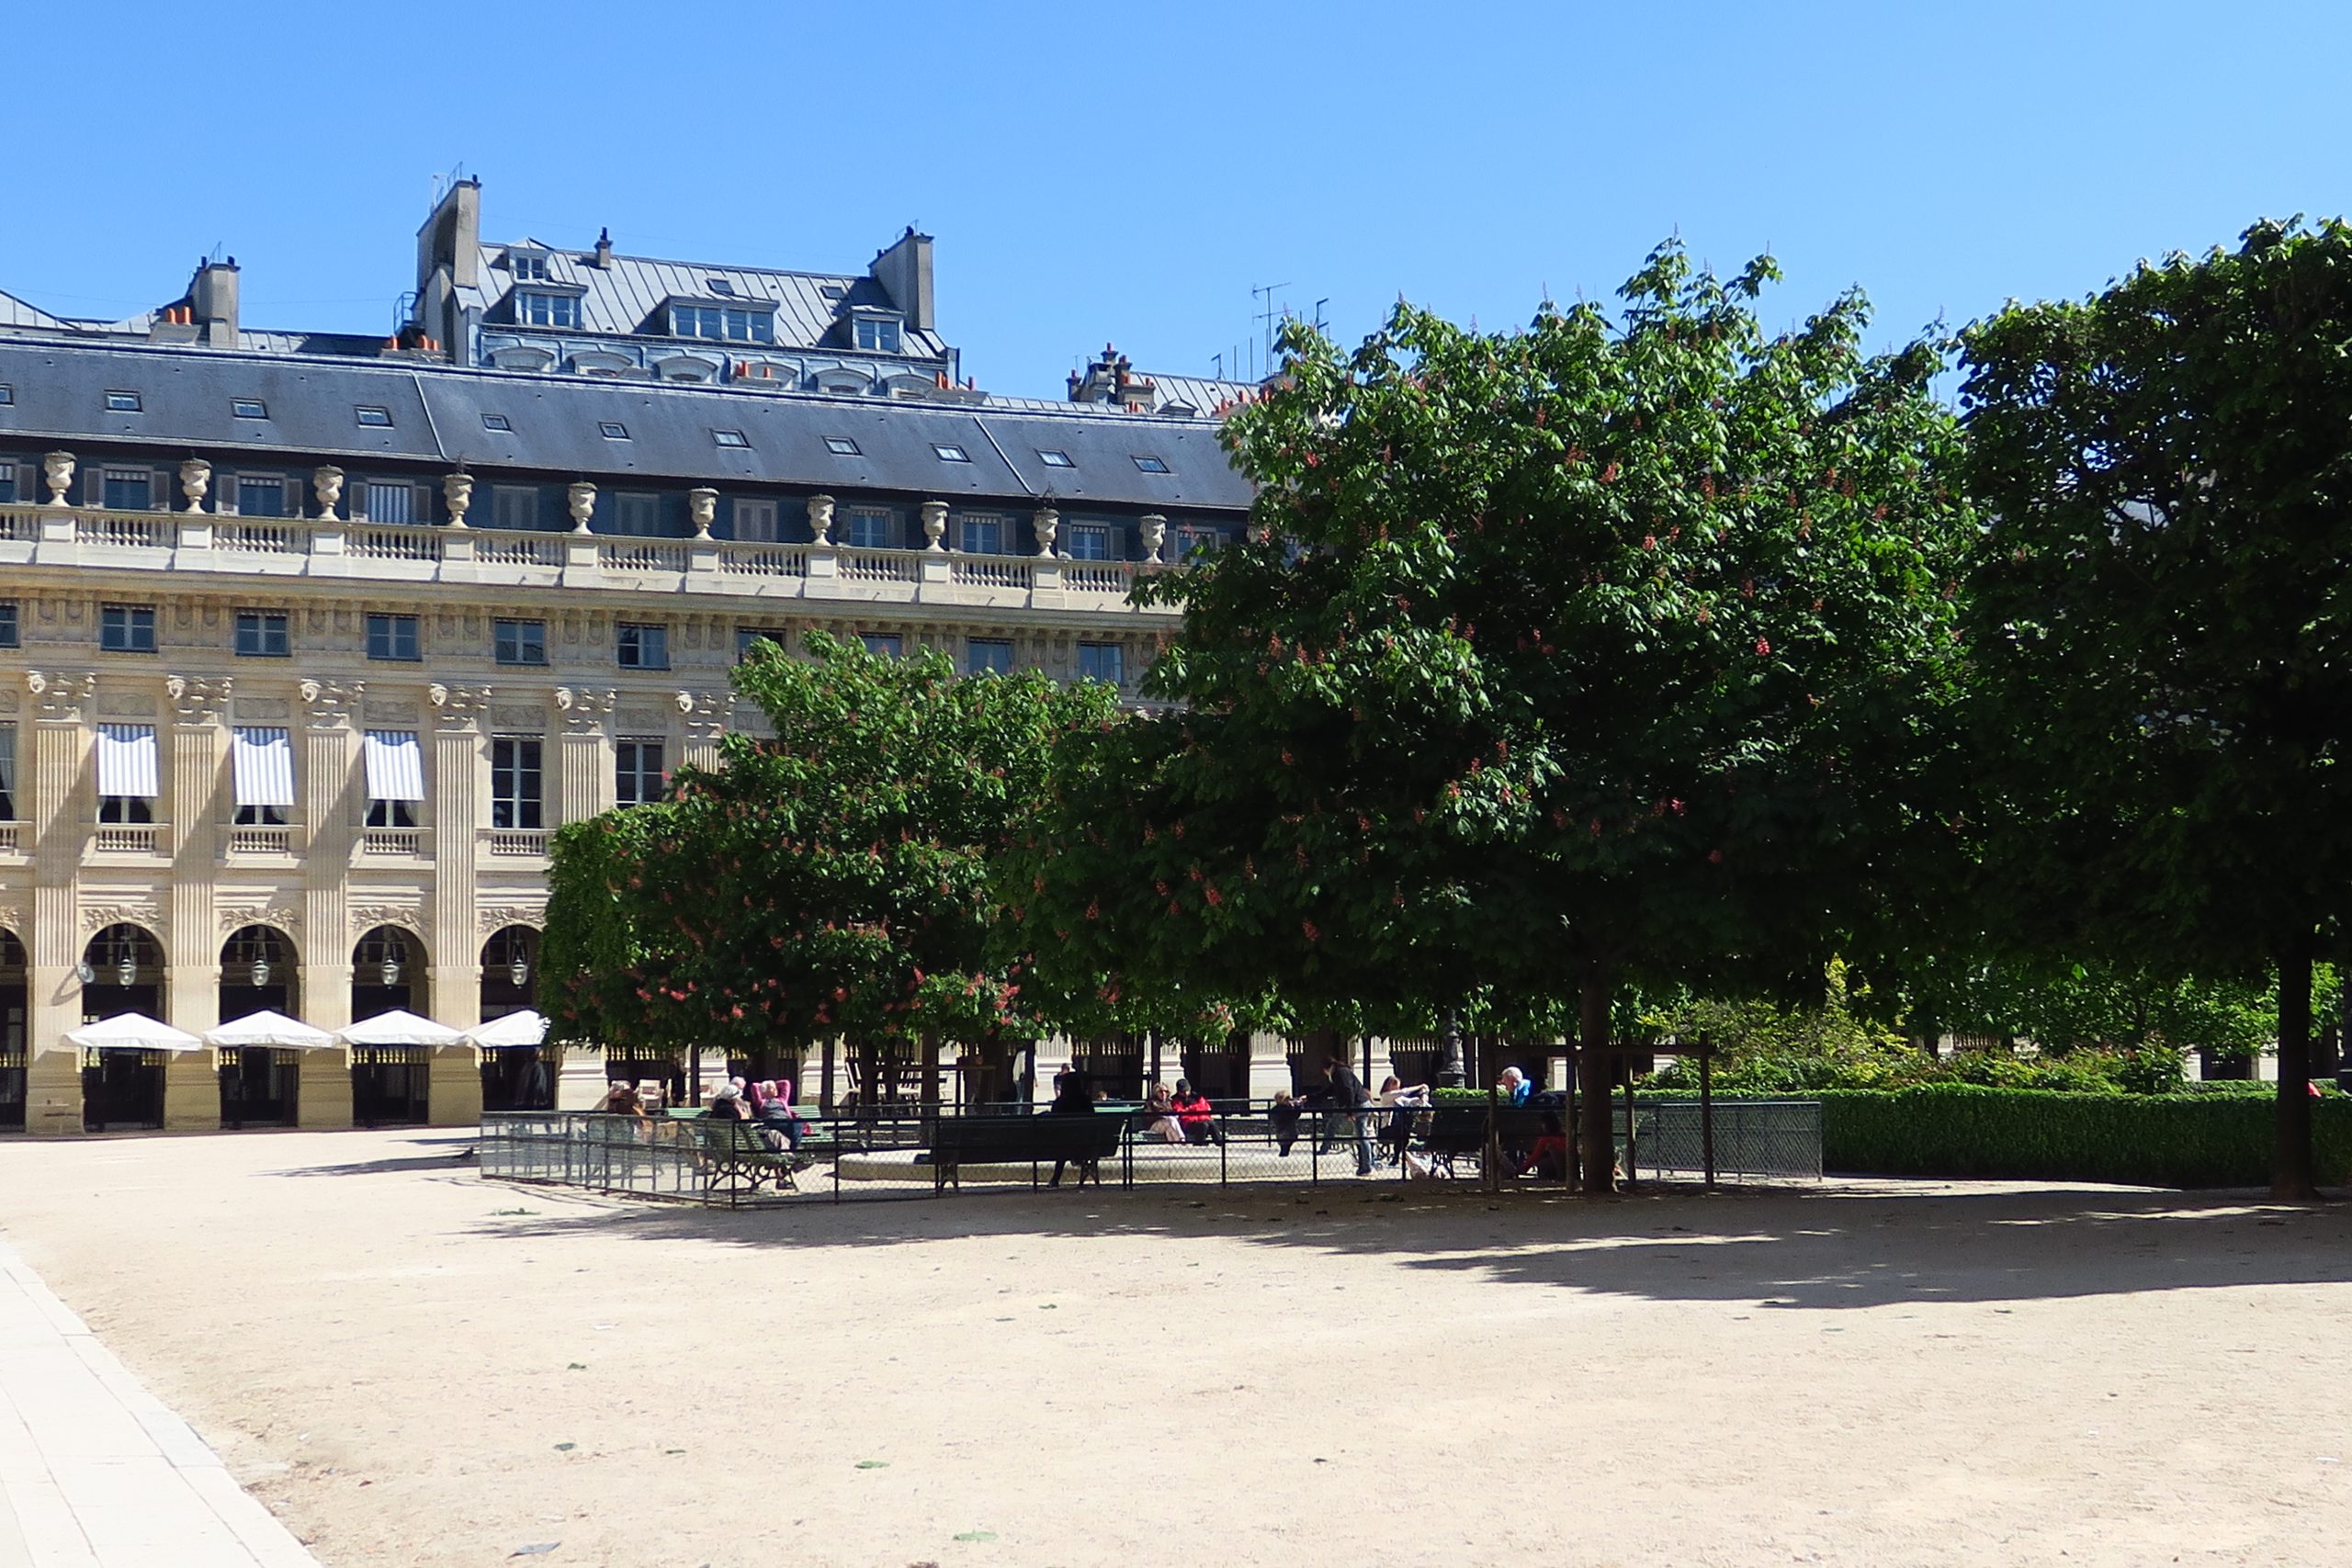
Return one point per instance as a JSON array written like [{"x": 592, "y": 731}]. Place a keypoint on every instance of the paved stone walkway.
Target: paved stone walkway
[{"x": 95, "y": 1473}]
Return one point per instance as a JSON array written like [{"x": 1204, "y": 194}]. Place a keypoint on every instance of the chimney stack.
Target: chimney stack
[
  {"x": 605, "y": 249},
  {"x": 212, "y": 298},
  {"x": 904, "y": 272}
]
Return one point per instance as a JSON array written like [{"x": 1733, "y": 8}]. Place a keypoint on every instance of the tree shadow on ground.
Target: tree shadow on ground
[{"x": 1842, "y": 1246}]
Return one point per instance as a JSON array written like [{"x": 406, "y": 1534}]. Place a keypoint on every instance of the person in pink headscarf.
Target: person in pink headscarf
[{"x": 779, "y": 1125}]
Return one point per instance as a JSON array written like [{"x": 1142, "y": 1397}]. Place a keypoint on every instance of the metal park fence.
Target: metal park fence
[{"x": 701, "y": 1159}]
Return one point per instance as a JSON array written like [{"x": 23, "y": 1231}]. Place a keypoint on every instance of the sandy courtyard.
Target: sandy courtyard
[{"x": 412, "y": 1366}]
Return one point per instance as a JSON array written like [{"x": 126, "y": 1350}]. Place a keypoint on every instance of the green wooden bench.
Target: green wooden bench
[
  {"x": 735, "y": 1160},
  {"x": 959, "y": 1140}
]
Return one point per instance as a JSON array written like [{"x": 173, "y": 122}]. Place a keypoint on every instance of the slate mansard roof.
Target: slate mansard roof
[{"x": 58, "y": 396}]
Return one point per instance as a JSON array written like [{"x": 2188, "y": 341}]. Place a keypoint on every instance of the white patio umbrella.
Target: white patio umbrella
[
  {"x": 131, "y": 1032},
  {"x": 399, "y": 1027},
  {"x": 525, "y": 1028},
  {"x": 272, "y": 1028}
]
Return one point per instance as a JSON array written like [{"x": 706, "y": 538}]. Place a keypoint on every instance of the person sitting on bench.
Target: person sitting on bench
[
  {"x": 1072, "y": 1097},
  {"x": 1195, "y": 1115},
  {"x": 780, "y": 1127}
]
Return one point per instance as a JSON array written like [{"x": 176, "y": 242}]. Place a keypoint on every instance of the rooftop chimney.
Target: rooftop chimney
[
  {"x": 605, "y": 249},
  {"x": 904, "y": 272},
  {"x": 452, "y": 238},
  {"x": 212, "y": 297}
]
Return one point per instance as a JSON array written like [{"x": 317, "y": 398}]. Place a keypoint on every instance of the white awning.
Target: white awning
[
  {"x": 127, "y": 760},
  {"x": 131, "y": 1032},
  {"x": 267, "y": 1028},
  {"x": 399, "y": 1027},
  {"x": 395, "y": 765},
  {"x": 525, "y": 1028},
  {"x": 261, "y": 766}
]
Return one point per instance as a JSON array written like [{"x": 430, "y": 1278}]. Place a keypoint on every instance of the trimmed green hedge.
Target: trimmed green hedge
[{"x": 2195, "y": 1139}]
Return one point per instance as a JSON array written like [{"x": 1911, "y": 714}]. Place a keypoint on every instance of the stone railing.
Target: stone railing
[
  {"x": 275, "y": 839},
  {"x": 344, "y": 551},
  {"x": 8, "y": 838},
  {"x": 511, "y": 841},
  {"x": 127, "y": 839},
  {"x": 407, "y": 841}
]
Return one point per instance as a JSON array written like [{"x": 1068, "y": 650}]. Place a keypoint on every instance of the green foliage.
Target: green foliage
[
  {"x": 2176, "y": 1140},
  {"x": 1593, "y": 653},
  {"x": 834, "y": 880}
]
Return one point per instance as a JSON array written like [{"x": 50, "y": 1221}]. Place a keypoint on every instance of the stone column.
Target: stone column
[
  {"x": 326, "y": 934},
  {"x": 53, "y": 807},
  {"x": 454, "y": 994},
  {"x": 191, "y": 950},
  {"x": 584, "y": 772}
]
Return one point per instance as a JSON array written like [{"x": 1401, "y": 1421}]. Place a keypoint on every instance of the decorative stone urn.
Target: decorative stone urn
[
  {"x": 934, "y": 525},
  {"x": 195, "y": 478},
  {"x": 57, "y": 472},
  {"x": 1153, "y": 534},
  {"x": 458, "y": 490},
  {"x": 702, "y": 506},
  {"x": 326, "y": 483},
  {"x": 582, "y": 498},
  {"x": 1046, "y": 524},
  {"x": 820, "y": 518}
]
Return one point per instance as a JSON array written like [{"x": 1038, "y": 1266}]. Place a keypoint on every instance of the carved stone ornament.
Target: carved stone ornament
[
  {"x": 127, "y": 912},
  {"x": 583, "y": 710},
  {"x": 199, "y": 699},
  {"x": 283, "y": 918},
  {"x": 1046, "y": 524},
  {"x": 1153, "y": 534},
  {"x": 702, "y": 506},
  {"x": 326, "y": 483},
  {"x": 582, "y": 498},
  {"x": 458, "y": 490},
  {"x": 330, "y": 703},
  {"x": 491, "y": 919},
  {"x": 57, "y": 472},
  {"x": 61, "y": 697},
  {"x": 195, "y": 478},
  {"x": 366, "y": 918},
  {"x": 934, "y": 525},
  {"x": 820, "y": 518},
  {"x": 457, "y": 704}
]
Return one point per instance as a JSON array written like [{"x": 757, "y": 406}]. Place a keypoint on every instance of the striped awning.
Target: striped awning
[
  {"x": 395, "y": 765},
  {"x": 261, "y": 766},
  {"x": 127, "y": 760}
]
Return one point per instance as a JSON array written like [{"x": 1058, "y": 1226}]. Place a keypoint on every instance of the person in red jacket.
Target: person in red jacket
[{"x": 1195, "y": 1115}]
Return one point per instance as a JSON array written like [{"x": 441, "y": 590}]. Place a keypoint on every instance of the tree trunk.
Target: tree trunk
[
  {"x": 1599, "y": 1141},
  {"x": 930, "y": 1070},
  {"x": 2290, "y": 1164}
]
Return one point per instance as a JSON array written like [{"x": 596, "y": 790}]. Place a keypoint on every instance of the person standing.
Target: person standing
[
  {"x": 1349, "y": 1099},
  {"x": 1072, "y": 1097}
]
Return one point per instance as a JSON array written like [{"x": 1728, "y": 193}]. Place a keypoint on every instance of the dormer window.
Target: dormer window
[
  {"x": 1054, "y": 459},
  {"x": 248, "y": 407},
  {"x": 842, "y": 447},
  {"x": 878, "y": 335},
  {"x": 949, "y": 453},
  {"x": 719, "y": 287},
  {"x": 373, "y": 416},
  {"x": 534, "y": 309},
  {"x": 613, "y": 430},
  {"x": 123, "y": 402},
  {"x": 1149, "y": 464},
  {"x": 725, "y": 323},
  {"x": 528, "y": 266}
]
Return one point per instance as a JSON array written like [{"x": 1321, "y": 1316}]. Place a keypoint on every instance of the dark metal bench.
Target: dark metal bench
[
  {"x": 959, "y": 1140},
  {"x": 736, "y": 1159}
]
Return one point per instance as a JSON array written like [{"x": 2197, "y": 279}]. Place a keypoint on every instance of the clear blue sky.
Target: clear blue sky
[{"x": 1129, "y": 171}]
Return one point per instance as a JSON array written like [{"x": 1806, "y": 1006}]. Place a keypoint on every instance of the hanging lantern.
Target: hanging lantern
[
  {"x": 391, "y": 971},
  {"x": 127, "y": 971},
  {"x": 261, "y": 972},
  {"x": 519, "y": 971}
]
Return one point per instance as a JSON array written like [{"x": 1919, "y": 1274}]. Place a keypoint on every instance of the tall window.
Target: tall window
[
  {"x": 1102, "y": 661},
  {"x": 635, "y": 512},
  {"x": 260, "y": 497},
  {"x": 1090, "y": 541},
  {"x": 636, "y": 771},
  {"x": 392, "y": 637},
  {"x": 8, "y": 624},
  {"x": 870, "y": 528},
  {"x": 515, "y": 781},
  {"x": 391, "y": 502},
  {"x": 514, "y": 506},
  {"x": 878, "y": 336},
  {"x": 983, "y": 535},
  {"x": 127, "y": 628},
  {"x": 755, "y": 522},
  {"x": 1192, "y": 541},
  {"x": 746, "y": 635},
  {"x": 8, "y": 772},
  {"x": 261, "y": 634},
  {"x": 519, "y": 642},
  {"x": 884, "y": 645},
  {"x": 126, "y": 490},
  {"x": 643, "y": 647},
  {"x": 987, "y": 656},
  {"x": 395, "y": 768},
  {"x": 536, "y": 310}
]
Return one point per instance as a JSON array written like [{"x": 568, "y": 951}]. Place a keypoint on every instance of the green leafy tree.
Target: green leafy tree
[
  {"x": 2159, "y": 621},
  {"x": 1559, "y": 660},
  {"x": 832, "y": 881}
]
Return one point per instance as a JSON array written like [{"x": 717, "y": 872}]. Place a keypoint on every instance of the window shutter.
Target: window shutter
[
  {"x": 421, "y": 505},
  {"x": 164, "y": 489}
]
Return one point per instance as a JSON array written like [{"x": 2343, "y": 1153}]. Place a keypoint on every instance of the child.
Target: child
[{"x": 1283, "y": 1115}]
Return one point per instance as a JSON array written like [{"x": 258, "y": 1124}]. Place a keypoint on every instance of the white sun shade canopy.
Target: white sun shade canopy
[
  {"x": 261, "y": 766},
  {"x": 525, "y": 1028},
  {"x": 399, "y": 1027},
  {"x": 268, "y": 1028},
  {"x": 127, "y": 760},
  {"x": 131, "y": 1032},
  {"x": 395, "y": 765}
]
